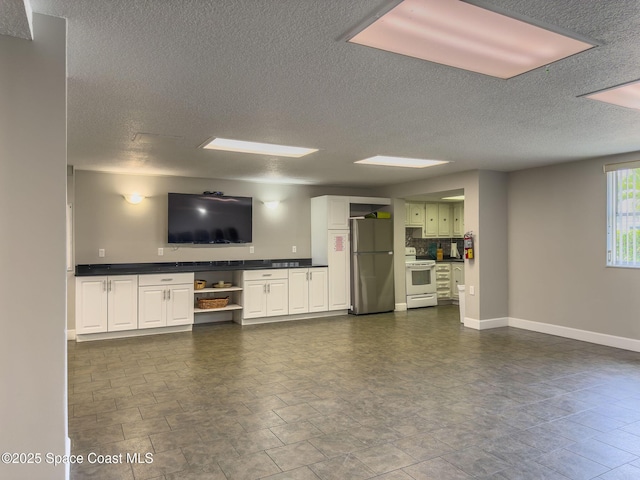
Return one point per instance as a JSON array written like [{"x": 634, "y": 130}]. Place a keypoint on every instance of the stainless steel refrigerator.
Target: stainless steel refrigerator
[{"x": 372, "y": 288}]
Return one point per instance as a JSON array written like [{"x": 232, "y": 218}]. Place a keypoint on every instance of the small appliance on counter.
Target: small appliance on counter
[{"x": 454, "y": 250}]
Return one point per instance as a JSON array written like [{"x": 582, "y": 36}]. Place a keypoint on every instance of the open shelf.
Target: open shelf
[
  {"x": 231, "y": 306},
  {"x": 216, "y": 290}
]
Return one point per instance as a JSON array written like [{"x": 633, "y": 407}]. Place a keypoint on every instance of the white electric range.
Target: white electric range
[{"x": 420, "y": 280}]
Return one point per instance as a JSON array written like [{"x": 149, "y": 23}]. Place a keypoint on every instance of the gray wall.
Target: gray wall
[
  {"x": 491, "y": 243},
  {"x": 33, "y": 364},
  {"x": 557, "y": 251},
  {"x": 133, "y": 233}
]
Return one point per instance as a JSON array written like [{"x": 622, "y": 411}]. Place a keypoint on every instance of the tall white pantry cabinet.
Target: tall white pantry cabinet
[
  {"x": 330, "y": 246},
  {"x": 330, "y": 241}
]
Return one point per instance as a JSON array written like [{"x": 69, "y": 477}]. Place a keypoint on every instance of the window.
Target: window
[{"x": 623, "y": 214}]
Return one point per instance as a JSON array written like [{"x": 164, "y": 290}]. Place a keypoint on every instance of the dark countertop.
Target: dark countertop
[
  {"x": 444, "y": 260},
  {"x": 89, "y": 270}
]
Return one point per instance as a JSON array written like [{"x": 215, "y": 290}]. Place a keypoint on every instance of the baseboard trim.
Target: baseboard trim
[
  {"x": 401, "y": 307},
  {"x": 133, "y": 333},
  {"x": 290, "y": 318},
  {"x": 71, "y": 334},
  {"x": 486, "y": 324},
  {"x": 577, "y": 334}
]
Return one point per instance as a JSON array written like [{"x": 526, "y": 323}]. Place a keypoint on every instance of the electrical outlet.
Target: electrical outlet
[
  {"x": 101, "y": 252},
  {"x": 294, "y": 249},
  {"x": 160, "y": 252},
  {"x": 472, "y": 290},
  {"x": 252, "y": 249}
]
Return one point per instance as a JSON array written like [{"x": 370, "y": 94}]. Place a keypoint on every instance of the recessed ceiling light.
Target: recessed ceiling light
[
  {"x": 400, "y": 162},
  {"x": 457, "y": 197},
  {"x": 258, "y": 148},
  {"x": 466, "y": 36},
  {"x": 627, "y": 95}
]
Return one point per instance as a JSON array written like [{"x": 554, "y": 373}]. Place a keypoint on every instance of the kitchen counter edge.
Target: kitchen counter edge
[{"x": 89, "y": 270}]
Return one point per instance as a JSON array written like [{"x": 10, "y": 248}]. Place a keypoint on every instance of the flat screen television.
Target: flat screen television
[{"x": 209, "y": 219}]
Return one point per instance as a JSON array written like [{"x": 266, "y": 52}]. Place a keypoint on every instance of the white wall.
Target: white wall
[
  {"x": 557, "y": 251},
  {"x": 33, "y": 390},
  {"x": 133, "y": 233}
]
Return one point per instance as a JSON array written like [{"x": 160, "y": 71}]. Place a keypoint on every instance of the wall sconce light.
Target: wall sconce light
[
  {"x": 134, "y": 198},
  {"x": 272, "y": 205}
]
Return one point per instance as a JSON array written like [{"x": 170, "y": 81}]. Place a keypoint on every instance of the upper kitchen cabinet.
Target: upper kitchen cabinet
[
  {"x": 435, "y": 220},
  {"x": 444, "y": 220},
  {"x": 414, "y": 214},
  {"x": 330, "y": 212},
  {"x": 430, "y": 220},
  {"x": 457, "y": 219}
]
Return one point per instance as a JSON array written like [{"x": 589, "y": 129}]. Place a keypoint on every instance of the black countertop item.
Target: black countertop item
[{"x": 95, "y": 269}]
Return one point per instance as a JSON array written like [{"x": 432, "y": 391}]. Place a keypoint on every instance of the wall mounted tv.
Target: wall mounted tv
[{"x": 209, "y": 219}]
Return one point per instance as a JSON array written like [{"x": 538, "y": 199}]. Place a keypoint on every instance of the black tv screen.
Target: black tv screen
[{"x": 209, "y": 219}]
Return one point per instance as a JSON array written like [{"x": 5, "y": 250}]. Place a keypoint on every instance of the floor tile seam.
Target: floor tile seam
[
  {"x": 612, "y": 446},
  {"x": 560, "y": 473}
]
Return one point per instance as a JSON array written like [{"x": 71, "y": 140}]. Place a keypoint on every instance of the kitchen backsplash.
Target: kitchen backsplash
[{"x": 422, "y": 245}]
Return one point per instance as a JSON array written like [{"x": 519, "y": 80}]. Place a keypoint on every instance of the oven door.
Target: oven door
[{"x": 421, "y": 279}]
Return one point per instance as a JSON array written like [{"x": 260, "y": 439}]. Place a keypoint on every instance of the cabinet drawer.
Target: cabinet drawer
[
  {"x": 266, "y": 274},
  {"x": 446, "y": 267},
  {"x": 165, "y": 279}
]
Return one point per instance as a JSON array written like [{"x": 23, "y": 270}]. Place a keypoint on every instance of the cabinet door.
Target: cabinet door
[
  {"x": 318, "y": 290},
  {"x": 122, "y": 303},
  {"x": 179, "y": 305},
  {"x": 277, "y": 297},
  {"x": 91, "y": 305},
  {"x": 255, "y": 299},
  {"x": 444, "y": 220},
  {"x": 458, "y": 220},
  {"x": 416, "y": 214},
  {"x": 338, "y": 212},
  {"x": 339, "y": 270},
  {"x": 431, "y": 220},
  {"x": 152, "y": 307},
  {"x": 298, "y": 290},
  {"x": 457, "y": 278}
]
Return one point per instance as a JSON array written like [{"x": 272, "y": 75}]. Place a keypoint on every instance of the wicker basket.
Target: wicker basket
[
  {"x": 206, "y": 303},
  {"x": 199, "y": 284}
]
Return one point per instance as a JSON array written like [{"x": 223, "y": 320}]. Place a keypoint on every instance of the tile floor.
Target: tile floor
[{"x": 399, "y": 396}]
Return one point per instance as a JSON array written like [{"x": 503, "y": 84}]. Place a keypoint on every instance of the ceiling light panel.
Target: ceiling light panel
[
  {"x": 229, "y": 145},
  {"x": 400, "y": 162},
  {"x": 458, "y": 34},
  {"x": 627, "y": 95}
]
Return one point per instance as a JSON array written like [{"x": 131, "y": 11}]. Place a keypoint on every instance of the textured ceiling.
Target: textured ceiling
[
  {"x": 14, "y": 19},
  {"x": 279, "y": 71}
]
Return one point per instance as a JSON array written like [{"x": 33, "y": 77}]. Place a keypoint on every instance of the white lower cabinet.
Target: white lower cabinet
[
  {"x": 443, "y": 280},
  {"x": 308, "y": 290},
  {"x": 165, "y": 300},
  {"x": 106, "y": 304},
  {"x": 266, "y": 293},
  {"x": 457, "y": 278}
]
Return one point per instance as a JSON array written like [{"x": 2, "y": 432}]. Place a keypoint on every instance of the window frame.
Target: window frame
[{"x": 623, "y": 214}]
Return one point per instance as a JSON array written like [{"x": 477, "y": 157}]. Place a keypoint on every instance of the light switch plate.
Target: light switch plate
[
  {"x": 251, "y": 249},
  {"x": 472, "y": 290},
  {"x": 160, "y": 252},
  {"x": 101, "y": 252},
  {"x": 294, "y": 249}
]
